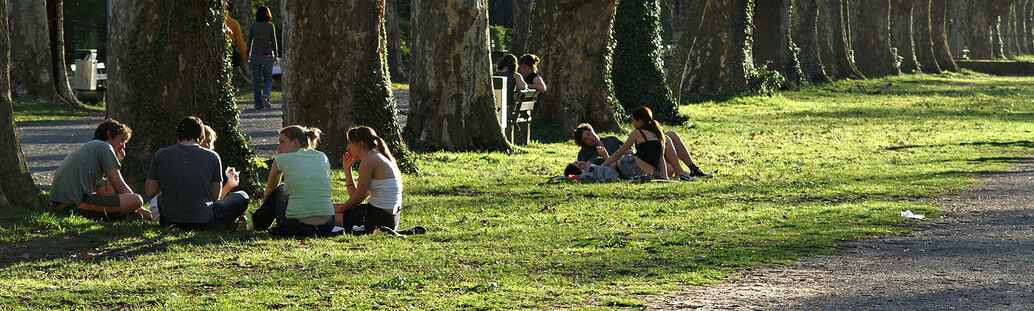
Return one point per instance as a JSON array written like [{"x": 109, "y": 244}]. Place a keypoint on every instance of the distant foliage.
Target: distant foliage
[{"x": 501, "y": 37}]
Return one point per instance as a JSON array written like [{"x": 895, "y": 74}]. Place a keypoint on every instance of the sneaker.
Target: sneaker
[
  {"x": 265, "y": 102},
  {"x": 134, "y": 216},
  {"x": 700, "y": 174},
  {"x": 414, "y": 230},
  {"x": 687, "y": 177},
  {"x": 390, "y": 231}
]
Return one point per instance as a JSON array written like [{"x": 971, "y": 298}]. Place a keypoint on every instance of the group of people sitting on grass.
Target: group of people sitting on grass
[
  {"x": 657, "y": 154},
  {"x": 186, "y": 187}
]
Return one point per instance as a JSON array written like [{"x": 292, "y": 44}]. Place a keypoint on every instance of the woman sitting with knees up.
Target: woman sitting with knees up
[
  {"x": 379, "y": 179},
  {"x": 301, "y": 205}
]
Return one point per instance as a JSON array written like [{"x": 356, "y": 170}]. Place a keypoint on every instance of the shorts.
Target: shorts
[
  {"x": 100, "y": 207},
  {"x": 628, "y": 168}
]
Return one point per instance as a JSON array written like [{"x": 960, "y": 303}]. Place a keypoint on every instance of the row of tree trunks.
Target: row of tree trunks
[
  {"x": 923, "y": 37},
  {"x": 901, "y": 35},
  {"x": 358, "y": 93},
  {"x": 167, "y": 60},
  {"x": 451, "y": 100},
  {"x": 37, "y": 51},
  {"x": 833, "y": 15},
  {"x": 773, "y": 41},
  {"x": 638, "y": 75},
  {"x": 871, "y": 39},
  {"x": 806, "y": 37},
  {"x": 975, "y": 27},
  {"x": 16, "y": 185},
  {"x": 581, "y": 90},
  {"x": 939, "y": 33}
]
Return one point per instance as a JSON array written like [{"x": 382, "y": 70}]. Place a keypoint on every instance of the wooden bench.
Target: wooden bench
[{"x": 518, "y": 130}]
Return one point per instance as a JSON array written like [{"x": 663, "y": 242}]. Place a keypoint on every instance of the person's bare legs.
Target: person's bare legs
[
  {"x": 671, "y": 161},
  {"x": 680, "y": 148},
  {"x": 132, "y": 203}
]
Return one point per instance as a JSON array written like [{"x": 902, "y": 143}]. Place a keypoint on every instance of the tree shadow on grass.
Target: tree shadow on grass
[{"x": 1017, "y": 143}]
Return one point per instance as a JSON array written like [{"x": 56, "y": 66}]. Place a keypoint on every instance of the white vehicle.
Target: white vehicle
[{"x": 92, "y": 76}]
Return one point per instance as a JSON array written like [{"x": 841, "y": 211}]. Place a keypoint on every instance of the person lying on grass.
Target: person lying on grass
[
  {"x": 189, "y": 178},
  {"x": 89, "y": 179},
  {"x": 650, "y": 157},
  {"x": 596, "y": 150},
  {"x": 301, "y": 206}
]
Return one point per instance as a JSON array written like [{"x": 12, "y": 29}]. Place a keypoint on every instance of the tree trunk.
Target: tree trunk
[
  {"x": 870, "y": 37},
  {"x": 638, "y": 76},
  {"x": 676, "y": 71},
  {"x": 168, "y": 60},
  {"x": 721, "y": 62},
  {"x": 36, "y": 70},
  {"x": 922, "y": 35},
  {"x": 1009, "y": 32},
  {"x": 359, "y": 92},
  {"x": 939, "y": 34},
  {"x": 16, "y": 184},
  {"x": 521, "y": 26},
  {"x": 997, "y": 39},
  {"x": 773, "y": 45},
  {"x": 396, "y": 65},
  {"x": 805, "y": 37},
  {"x": 901, "y": 35},
  {"x": 451, "y": 101},
  {"x": 973, "y": 25},
  {"x": 1025, "y": 29},
  {"x": 581, "y": 89},
  {"x": 834, "y": 16}
]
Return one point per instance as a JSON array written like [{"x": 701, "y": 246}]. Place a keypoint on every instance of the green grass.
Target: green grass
[
  {"x": 797, "y": 174},
  {"x": 42, "y": 110}
]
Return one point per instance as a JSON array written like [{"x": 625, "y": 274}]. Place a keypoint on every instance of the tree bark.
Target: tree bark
[
  {"x": 1009, "y": 46},
  {"x": 396, "y": 65},
  {"x": 901, "y": 35},
  {"x": 721, "y": 63},
  {"x": 16, "y": 184},
  {"x": 773, "y": 39},
  {"x": 357, "y": 91},
  {"x": 521, "y": 26},
  {"x": 676, "y": 71},
  {"x": 939, "y": 34},
  {"x": 1025, "y": 29},
  {"x": 834, "y": 16},
  {"x": 581, "y": 90},
  {"x": 805, "y": 37},
  {"x": 37, "y": 52},
  {"x": 870, "y": 37},
  {"x": 997, "y": 38},
  {"x": 638, "y": 73},
  {"x": 923, "y": 39},
  {"x": 167, "y": 61},
  {"x": 451, "y": 100}
]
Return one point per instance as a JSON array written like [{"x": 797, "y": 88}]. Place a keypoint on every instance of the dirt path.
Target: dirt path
[
  {"x": 980, "y": 256},
  {"x": 45, "y": 144}
]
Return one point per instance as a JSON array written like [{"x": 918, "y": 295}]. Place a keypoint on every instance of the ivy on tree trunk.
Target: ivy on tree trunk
[
  {"x": 168, "y": 60},
  {"x": 773, "y": 42},
  {"x": 638, "y": 75}
]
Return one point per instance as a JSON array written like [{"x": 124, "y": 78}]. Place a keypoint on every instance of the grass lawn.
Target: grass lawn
[
  {"x": 797, "y": 174},
  {"x": 27, "y": 110}
]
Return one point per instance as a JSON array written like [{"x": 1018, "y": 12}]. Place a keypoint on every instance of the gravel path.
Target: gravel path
[
  {"x": 45, "y": 144},
  {"x": 980, "y": 256}
]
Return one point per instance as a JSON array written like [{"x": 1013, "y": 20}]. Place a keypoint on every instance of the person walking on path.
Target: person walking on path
[
  {"x": 89, "y": 179},
  {"x": 263, "y": 47},
  {"x": 240, "y": 47}
]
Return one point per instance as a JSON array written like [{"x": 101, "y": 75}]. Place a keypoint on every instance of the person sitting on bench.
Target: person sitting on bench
[
  {"x": 89, "y": 179},
  {"x": 529, "y": 69},
  {"x": 507, "y": 68}
]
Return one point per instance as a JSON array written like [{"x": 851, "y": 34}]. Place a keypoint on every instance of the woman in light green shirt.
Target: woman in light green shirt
[{"x": 301, "y": 205}]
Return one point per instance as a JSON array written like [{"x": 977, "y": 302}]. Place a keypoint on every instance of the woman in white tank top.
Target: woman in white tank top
[{"x": 379, "y": 179}]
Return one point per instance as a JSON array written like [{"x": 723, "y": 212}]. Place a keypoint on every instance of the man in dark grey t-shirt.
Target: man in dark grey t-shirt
[{"x": 189, "y": 179}]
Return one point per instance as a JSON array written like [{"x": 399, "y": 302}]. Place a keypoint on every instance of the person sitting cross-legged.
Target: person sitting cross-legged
[
  {"x": 301, "y": 206},
  {"x": 90, "y": 181},
  {"x": 189, "y": 179}
]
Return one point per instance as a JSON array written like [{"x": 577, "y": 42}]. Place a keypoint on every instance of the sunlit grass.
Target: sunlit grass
[{"x": 797, "y": 173}]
